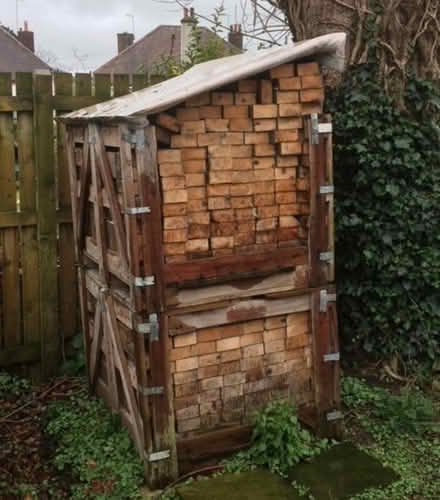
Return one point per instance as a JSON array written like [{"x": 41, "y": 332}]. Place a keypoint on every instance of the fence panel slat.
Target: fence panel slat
[
  {"x": 121, "y": 85},
  {"x": 47, "y": 226},
  {"x": 67, "y": 277},
  {"x": 9, "y": 260}
]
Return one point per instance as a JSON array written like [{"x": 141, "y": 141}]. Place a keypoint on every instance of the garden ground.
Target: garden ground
[{"x": 58, "y": 443}]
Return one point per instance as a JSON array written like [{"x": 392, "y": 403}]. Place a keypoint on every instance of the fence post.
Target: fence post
[{"x": 47, "y": 223}]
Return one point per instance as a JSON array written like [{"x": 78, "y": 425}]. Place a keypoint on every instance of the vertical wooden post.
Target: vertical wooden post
[
  {"x": 47, "y": 224},
  {"x": 10, "y": 256},
  {"x": 29, "y": 237},
  {"x": 164, "y": 438},
  {"x": 326, "y": 362}
]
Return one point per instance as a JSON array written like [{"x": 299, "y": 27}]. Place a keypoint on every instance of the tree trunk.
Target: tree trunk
[{"x": 406, "y": 34}]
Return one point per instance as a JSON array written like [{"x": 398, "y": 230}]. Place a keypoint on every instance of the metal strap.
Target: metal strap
[
  {"x": 315, "y": 128},
  {"x": 325, "y": 298},
  {"x": 151, "y": 328},
  {"x": 137, "y": 138},
  {"x": 335, "y": 356},
  {"x": 158, "y": 455},
  {"x": 334, "y": 415},
  {"x": 327, "y": 189},
  {"x": 326, "y": 256},
  {"x": 325, "y": 128},
  {"x": 150, "y": 391},
  {"x": 144, "y": 281},
  {"x": 138, "y": 210}
]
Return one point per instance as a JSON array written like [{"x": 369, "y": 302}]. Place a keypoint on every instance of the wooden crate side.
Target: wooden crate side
[
  {"x": 225, "y": 372},
  {"x": 235, "y": 176},
  {"x": 162, "y": 414}
]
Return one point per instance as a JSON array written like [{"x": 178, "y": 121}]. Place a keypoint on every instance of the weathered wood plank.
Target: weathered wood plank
[
  {"x": 28, "y": 353},
  {"x": 16, "y": 219},
  {"x": 121, "y": 84},
  {"x": 136, "y": 294},
  {"x": 25, "y": 146},
  {"x": 108, "y": 181},
  {"x": 235, "y": 265},
  {"x": 9, "y": 260},
  {"x": 44, "y": 158},
  {"x": 67, "y": 276},
  {"x": 162, "y": 407},
  {"x": 12, "y": 334},
  {"x": 274, "y": 283},
  {"x": 9, "y": 104},
  {"x": 243, "y": 310}
]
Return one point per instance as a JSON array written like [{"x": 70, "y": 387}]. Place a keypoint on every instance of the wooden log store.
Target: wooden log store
[{"x": 203, "y": 220}]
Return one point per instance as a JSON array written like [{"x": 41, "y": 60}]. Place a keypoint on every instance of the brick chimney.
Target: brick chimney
[
  {"x": 235, "y": 36},
  {"x": 188, "y": 22},
  {"x": 26, "y": 37},
  {"x": 124, "y": 40}
]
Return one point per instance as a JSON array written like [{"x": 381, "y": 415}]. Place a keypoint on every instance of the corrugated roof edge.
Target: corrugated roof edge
[{"x": 329, "y": 50}]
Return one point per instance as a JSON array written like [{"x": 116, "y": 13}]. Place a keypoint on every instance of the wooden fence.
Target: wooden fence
[{"x": 38, "y": 293}]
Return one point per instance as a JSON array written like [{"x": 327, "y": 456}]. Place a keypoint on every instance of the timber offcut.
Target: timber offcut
[{"x": 203, "y": 222}]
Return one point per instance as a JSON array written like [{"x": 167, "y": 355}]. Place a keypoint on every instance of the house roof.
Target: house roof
[
  {"x": 148, "y": 50},
  {"x": 329, "y": 50},
  {"x": 15, "y": 57}
]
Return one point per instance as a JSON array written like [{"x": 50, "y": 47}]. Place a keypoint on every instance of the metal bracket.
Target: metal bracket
[
  {"x": 335, "y": 356},
  {"x": 327, "y": 189},
  {"x": 334, "y": 415},
  {"x": 151, "y": 328},
  {"x": 138, "y": 210},
  {"x": 315, "y": 128},
  {"x": 136, "y": 138},
  {"x": 325, "y": 298},
  {"x": 158, "y": 455},
  {"x": 325, "y": 128},
  {"x": 150, "y": 391},
  {"x": 326, "y": 256},
  {"x": 144, "y": 281}
]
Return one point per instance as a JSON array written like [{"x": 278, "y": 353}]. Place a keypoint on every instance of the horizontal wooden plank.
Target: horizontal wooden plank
[
  {"x": 212, "y": 444},
  {"x": 234, "y": 265},
  {"x": 215, "y": 444},
  {"x": 240, "y": 310},
  {"x": 71, "y": 103},
  {"x": 22, "y": 354},
  {"x": 15, "y": 219},
  {"x": 193, "y": 297},
  {"x": 9, "y": 104},
  {"x": 26, "y": 219}
]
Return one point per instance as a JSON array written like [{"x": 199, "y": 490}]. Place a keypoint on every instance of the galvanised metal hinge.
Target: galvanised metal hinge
[
  {"x": 151, "y": 328},
  {"x": 158, "y": 455},
  {"x": 334, "y": 356},
  {"x": 319, "y": 128},
  {"x": 136, "y": 138},
  {"x": 334, "y": 415},
  {"x": 144, "y": 281},
  {"x": 325, "y": 298},
  {"x": 327, "y": 189},
  {"x": 326, "y": 256},
  {"x": 138, "y": 210},
  {"x": 315, "y": 128},
  {"x": 150, "y": 391}
]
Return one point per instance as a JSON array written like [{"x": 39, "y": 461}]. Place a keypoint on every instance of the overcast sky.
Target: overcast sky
[{"x": 81, "y": 34}]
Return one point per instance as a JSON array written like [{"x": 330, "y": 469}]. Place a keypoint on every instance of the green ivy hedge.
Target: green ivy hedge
[{"x": 387, "y": 181}]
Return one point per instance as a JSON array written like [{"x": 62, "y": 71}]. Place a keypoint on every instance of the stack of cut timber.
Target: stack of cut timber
[
  {"x": 234, "y": 172},
  {"x": 223, "y": 374}
]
